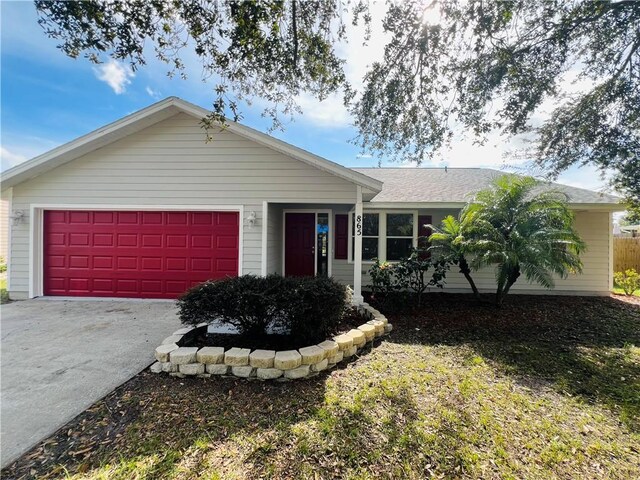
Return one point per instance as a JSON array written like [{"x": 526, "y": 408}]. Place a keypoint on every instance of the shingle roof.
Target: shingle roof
[{"x": 455, "y": 185}]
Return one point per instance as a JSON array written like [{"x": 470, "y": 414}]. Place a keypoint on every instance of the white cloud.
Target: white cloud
[
  {"x": 153, "y": 93},
  {"x": 587, "y": 176},
  {"x": 114, "y": 74},
  {"x": 10, "y": 159},
  {"x": 330, "y": 112}
]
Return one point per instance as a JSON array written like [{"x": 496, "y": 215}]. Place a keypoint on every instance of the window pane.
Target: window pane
[
  {"x": 398, "y": 248},
  {"x": 369, "y": 224},
  {"x": 369, "y": 248},
  {"x": 322, "y": 247},
  {"x": 400, "y": 224}
]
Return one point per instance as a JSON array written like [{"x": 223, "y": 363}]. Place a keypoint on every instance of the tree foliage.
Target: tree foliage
[
  {"x": 519, "y": 228},
  {"x": 471, "y": 64},
  {"x": 491, "y": 65},
  {"x": 632, "y": 217},
  {"x": 271, "y": 50},
  {"x": 448, "y": 241}
]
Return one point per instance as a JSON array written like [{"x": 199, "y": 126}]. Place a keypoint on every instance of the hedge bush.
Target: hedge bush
[
  {"x": 307, "y": 308},
  {"x": 314, "y": 307}
]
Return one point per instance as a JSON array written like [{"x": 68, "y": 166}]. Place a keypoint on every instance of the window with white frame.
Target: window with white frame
[
  {"x": 370, "y": 235},
  {"x": 388, "y": 236},
  {"x": 399, "y": 235}
]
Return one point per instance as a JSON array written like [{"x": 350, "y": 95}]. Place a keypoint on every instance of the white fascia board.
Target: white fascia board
[{"x": 601, "y": 207}]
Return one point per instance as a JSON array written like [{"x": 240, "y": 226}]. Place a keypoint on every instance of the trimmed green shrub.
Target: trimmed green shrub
[
  {"x": 249, "y": 303},
  {"x": 3, "y": 265},
  {"x": 314, "y": 308},
  {"x": 307, "y": 308},
  {"x": 628, "y": 281}
]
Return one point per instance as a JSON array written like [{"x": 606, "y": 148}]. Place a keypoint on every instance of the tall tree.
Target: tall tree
[{"x": 473, "y": 64}]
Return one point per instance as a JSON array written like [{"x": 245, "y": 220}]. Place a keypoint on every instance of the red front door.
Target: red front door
[
  {"x": 141, "y": 254},
  {"x": 299, "y": 244}
]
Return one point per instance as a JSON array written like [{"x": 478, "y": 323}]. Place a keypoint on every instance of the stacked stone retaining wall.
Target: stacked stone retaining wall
[{"x": 179, "y": 360}]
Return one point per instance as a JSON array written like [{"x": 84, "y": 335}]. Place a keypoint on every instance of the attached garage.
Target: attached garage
[{"x": 136, "y": 254}]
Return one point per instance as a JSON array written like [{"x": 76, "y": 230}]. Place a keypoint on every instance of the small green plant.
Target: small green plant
[
  {"x": 383, "y": 281},
  {"x": 411, "y": 273},
  {"x": 3, "y": 265},
  {"x": 628, "y": 281},
  {"x": 408, "y": 274}
]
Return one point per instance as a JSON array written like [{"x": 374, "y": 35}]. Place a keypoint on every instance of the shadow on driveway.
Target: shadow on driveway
[{"x": 60, "y": 356}]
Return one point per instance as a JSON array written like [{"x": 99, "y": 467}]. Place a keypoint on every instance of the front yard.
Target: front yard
[{"x": 544, "y": 387}]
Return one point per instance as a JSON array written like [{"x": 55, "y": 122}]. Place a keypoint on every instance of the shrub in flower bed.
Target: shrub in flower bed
[{"x": 307, "y": 308}]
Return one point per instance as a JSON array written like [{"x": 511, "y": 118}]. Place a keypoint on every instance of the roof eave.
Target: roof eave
[{"x": 609, "y": 207}]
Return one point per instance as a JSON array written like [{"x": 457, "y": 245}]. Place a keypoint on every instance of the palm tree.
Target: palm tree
[
  {"x": 521, "y": 229},
  {"x": 448, "y": 240}
]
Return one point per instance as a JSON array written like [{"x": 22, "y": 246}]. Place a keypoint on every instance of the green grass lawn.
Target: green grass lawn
[{"x": 545, "y": 387}]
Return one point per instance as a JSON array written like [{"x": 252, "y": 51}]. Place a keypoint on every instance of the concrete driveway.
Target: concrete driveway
[{"x": 60, "y": 356}]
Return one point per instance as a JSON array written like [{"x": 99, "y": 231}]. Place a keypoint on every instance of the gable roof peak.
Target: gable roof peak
[{"x": 154, "y": 113}]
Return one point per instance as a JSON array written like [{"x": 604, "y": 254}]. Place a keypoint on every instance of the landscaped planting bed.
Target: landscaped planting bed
[{"x": 178, "y": 358}]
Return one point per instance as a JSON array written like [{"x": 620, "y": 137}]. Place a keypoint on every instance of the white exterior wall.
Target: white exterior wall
[
  {"x": 4, "y": 224},
  {"x": 593, "y": 227},
  {"x": 169, "y": 163}
]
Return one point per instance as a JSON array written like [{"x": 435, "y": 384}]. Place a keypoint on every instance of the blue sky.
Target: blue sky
[{"x": 49, "y": 99}]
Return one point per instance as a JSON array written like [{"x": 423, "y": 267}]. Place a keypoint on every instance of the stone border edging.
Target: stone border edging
[{"x": 304, "y": 362}]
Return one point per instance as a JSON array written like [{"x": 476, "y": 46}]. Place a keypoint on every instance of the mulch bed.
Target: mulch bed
[
  {"x": 450, "y": 313},
  {"x": 352, "y": 319}
]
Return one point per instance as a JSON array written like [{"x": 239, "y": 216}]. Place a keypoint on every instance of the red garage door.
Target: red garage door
[{"x": 136, "y": 254}]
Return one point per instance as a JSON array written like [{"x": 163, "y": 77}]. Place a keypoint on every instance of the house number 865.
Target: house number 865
[{"x": 359, "y": 225}]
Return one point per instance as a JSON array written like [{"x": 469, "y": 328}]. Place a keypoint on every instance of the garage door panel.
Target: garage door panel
[
  {"x": 176, "y": 241},
  {"x": 137, "y": 254},
  {"x": 79, "y": 218},
  {"x": 79, "y": 261}
]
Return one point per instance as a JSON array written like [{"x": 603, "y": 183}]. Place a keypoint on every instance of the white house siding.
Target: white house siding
[
  {"x": 4, "y": 227},
  {"x": 170, "y": 163},
  {"x": 594, "y": 229}
]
